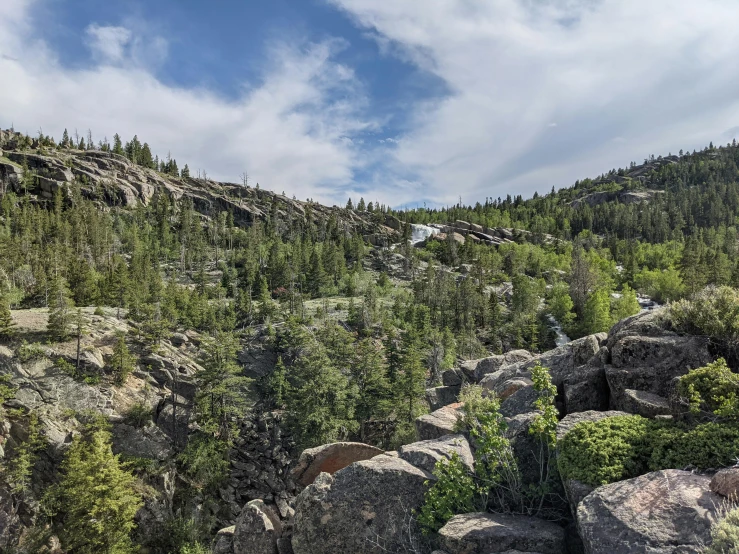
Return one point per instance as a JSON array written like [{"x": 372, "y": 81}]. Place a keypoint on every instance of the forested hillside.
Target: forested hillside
[{"x": 329, "y": 320}]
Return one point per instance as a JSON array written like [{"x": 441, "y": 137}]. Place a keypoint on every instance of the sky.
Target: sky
[{"x": 405, "y": 102}]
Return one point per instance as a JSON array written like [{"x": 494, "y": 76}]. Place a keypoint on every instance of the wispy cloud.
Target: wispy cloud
[
  {"x": 621, "y": 79},
  {"x": 292, "y": 132}
]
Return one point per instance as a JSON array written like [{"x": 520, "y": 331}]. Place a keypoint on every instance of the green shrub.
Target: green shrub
[
  {"x": 205, "y": 461},
  {"x": 139, "y": 415},
  {"x": 725, "y": 535},
  {"x": 622, "y": 447},
  {"x": 453, "y": 493},
  {"x": 713, "y": 312},
  {"x": 713, "y": 388},
  {"x": 27, "y": 352}
]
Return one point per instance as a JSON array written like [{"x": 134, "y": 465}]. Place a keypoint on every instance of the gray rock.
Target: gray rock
[
  {"x": 179, "y": 339},
  {"x": 438, "y": 423},
  {"x": 362, "y": 504},
  {"x": 663, "y": 512},
  {"x": 526, "y": 446},
  {"x": 438, "y": 397},
  {"x": 224, "y": 541},
  {"x": 484, "y": 533},
  {"x": 520, "y": 402},
  {"x": 644, "y": 403},
  {"x": 726, "y": 483},
  {"x": 257, "y": 530},
  {"x": 330, "y": 458},
  {"x": 149, "y": 442},
  {"x": 425, "y": 454},
  {"x": 651, "y": 364},
  {"x": 452, "y": 377},
  {"x": 586, "y": 389},
  {"x": 654, "y": 323},
  {"x": 477, "y": 369}
]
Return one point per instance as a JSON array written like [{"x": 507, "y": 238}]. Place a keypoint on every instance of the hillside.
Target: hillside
[{"x": 265, "y": 375}]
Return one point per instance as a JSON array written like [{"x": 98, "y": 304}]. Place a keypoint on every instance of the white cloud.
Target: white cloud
[
  {"x": 622, "y": 79},
  {"x": 108, "y": 44},
  {"x": 292, "y": 132}
]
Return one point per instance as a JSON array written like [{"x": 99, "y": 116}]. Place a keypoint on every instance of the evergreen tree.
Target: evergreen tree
[
  {"x": 122, "y": 362},
  {"x": 60, "y": 309},
  {"x": 411, "y": 383},
  {"x": 65, "y": 139},
  {"x": 369, "y": 377},
  {"x": 185, "y": 173},
  {"x": 7, "y": 326},
  {"x": 95, "y": 499},
  {"x": 222, "y": 388},
  {"x": 117, "y": 145},
  {"x": 361, "y": 207},
  {"x": 316, "y": 275}
]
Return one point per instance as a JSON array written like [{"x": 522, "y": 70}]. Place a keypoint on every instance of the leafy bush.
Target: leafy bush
[
  {"x": 622, "y": 447},
  {"x": 713, "y": 388},
  {"x": 139, "y": 415},
  {"x": 725, "y": 535},
  {"x": 453, "y": 493},
  {"x": 27, "y": 352},
  {"x": 713, "y": 312},
  {"x": 205, "y": 462}
]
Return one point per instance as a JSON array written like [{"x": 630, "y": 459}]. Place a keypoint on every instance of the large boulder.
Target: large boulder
[
  {"x": 477, "y": 369},
  {"x": 654, "y": 323},
  {"x": 652, "y": 364},
  {"x": 644, "y": 403},
  {"x": 257, "y": 530},
  {"x": 520, "y": 402},
  {"x": 364, "y": 508},
  {"x": 438, "y": 423},
  {"x": 664, "y": 512},
  {"x": 484, "y": 533},
  {"x": 425, "y": 454},
  {"x": 330, "y": 458},
  {"x": 726, "y": 483},
  {"x": 438, "y": 397}
]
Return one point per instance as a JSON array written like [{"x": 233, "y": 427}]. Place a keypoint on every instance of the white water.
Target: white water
[
  {"x": 561, "y": 338},
  {"x": 421, "y": 232}
]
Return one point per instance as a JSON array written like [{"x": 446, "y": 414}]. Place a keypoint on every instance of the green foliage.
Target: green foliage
[
  {"x": 713, "y": 388},
  {"x": 596, "y": 316},
  {"x": 95, "y": 499},
  {"x": 452, "y": 493},
  {"x": 7, "y": 389},
  {"x": 139, "y": 415},
  {"x": 28, "y": 352},
  {"x": 713, "y": 312},
  {"x": 623, "y": 447},
  {"x": 60, "y": 309},
  {"x": 122, "y": 362},
  {"x": 625, "y": 305},
  {"x": 222, "y": 389},
  {"x": 20, "y": 467},
  {"x": 7, "y": 326},
  {"x": 725, "y": 534},
  {"x": 205, "y": 461},
  {"x": 544, "y": 425}
]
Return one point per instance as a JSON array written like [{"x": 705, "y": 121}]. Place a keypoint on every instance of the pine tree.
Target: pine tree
[
  {"x": 60, "y": 309},
  {"x": 361, "y": 207},
  {"x": 185, "y": 173},
  {"x": 7, "y": 326},
  {"x": 122, "y": 362},
  {"x": 316, "y": 275},
  {"x": 95, "y": 499},
  {"x": 117, "y": 145},
  {"x": 221, "y": 386},
  {"x": 411, "y": 383},
  {"x": 65, "y": 139}
]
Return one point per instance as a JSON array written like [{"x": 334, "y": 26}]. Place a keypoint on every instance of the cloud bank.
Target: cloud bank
[
  {"x": 544, "y": 92},
  {"x": 291, "y": 132},
  {"x": 538, "y": 93}
]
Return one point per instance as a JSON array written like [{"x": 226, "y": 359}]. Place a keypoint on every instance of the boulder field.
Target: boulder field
[{"x": 359, "y": 500}]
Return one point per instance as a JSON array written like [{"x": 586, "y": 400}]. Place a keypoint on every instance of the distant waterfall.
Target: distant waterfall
[{"x": 421, "y": 232}]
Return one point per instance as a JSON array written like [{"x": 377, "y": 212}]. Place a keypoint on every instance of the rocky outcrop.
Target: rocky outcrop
[
  {"x": 257, "y": 530},
  {"x": 726, "y": 483},
  {"x": 651, "y": 364},
  {"x": 362, "y": 509},
  {"x": 477, "y": 369},
  {"x": 484, "y": 533},
  {"x": 664, "y": 512},
  {"x": 425, "y": 454},
  {"x": 438, "y": 423},
  {"x": 644, "y": 403},
  {"x": 330, "y": 458},
  {"x": 438, "y": 397}
]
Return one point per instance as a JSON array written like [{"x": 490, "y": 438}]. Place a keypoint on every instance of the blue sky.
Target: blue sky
[{"x": 400, "y": 101}]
